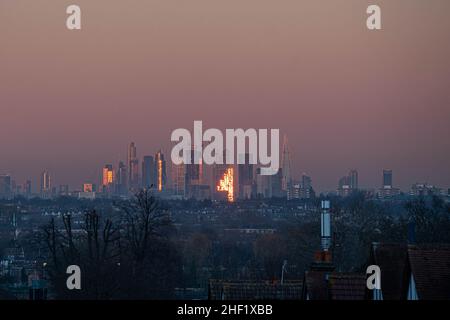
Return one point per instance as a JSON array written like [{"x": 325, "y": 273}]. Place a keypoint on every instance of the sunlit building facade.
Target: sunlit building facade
[
  {"x": 160, "y": 171},
  {"x": 226, "y": 184},
  {"x": 46, "y": 184}
]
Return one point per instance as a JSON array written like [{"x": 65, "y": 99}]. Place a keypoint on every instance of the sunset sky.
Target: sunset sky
[{"x": 347, "y": 97}]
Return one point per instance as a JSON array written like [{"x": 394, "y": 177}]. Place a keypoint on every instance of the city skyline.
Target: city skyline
[{"x": 162, "y": 176}]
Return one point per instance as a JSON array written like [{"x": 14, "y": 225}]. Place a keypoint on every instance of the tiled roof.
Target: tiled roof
[
  {"x": 392, "y": 259},
  {"x": 316, "y": 285},
  {"x": 347, "y": 286},
  {"x": 322, "y": 285},
  {"x": 430, "y": 266},
  {"x": 252, "y": 290}
]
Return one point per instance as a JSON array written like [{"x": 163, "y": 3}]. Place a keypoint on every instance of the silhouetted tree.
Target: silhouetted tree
[{"x": 130, "y": 258}]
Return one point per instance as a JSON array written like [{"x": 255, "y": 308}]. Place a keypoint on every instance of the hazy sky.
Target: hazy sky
[{"x": 347, "y": 97}]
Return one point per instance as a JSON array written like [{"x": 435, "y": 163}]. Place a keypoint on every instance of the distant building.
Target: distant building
[
  {"x": 148, "y": 172},
  {"x": 5, "y": 186},
  {"x": 160, "y": 171},
  {"x": 27, "y": 188},
  {"x": 424, "y": 189},
  {"x": 353, "y": 176},
  {"x": 200, "y": 192},
  {"x": 245, "y": 177},
  {"x": 227, "y": 184},
  {"x": 64, "y": 190},
  {"x": 269, "y": 186},
  {"x": 88, "y": 187},
  {"x": 122, "y": 179},
  {"x": 218, "y": 171},
  {"x": 348, "y": 183},
  {"x": 108, "y": 179},
  {"x": 301, "y": 190},
  {"x": 46, "y": 184},
  {"x": 277, "y": 182},
  {"x": 387, "y": 189},
  {"x": 133, "y": 167},
  {"x": 387, "y": 178},
  {"x": 178, "y": 179},
  {"x": 86, "y": 195},
  {"x": 193, "y": 174},
  {"x": 286, "y": 178},
  {"x": 263, "y": 185}
]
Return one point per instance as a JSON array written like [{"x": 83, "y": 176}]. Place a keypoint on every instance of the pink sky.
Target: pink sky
[{"x": 71, "y": 101}]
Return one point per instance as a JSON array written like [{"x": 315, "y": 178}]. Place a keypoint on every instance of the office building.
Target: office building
[
  {"x": 46, "y": 184},
  {"x": 348, "y": 184},
  {"x": 133, "y": 167},
  {"x": 5, "y": 186},
  {"x": 148, "y": 172},
  {"x": 108, "y": 179},
  {"x": 245, "y": 177},
  {"x": 160, "y": 171},
  {"x": 387, "y": 189},
  {"x": 286, "y": 166},
  {"x": 122, "y": 179}
]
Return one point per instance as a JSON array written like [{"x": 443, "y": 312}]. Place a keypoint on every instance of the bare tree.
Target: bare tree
[{"x": 94, "y": 248}]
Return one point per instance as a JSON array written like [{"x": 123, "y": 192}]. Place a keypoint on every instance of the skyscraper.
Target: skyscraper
[
  {"x": 245, "y": 177},
  {"x": 178, "y": 179},
  {"x": 348, "y": 184},
  {"x": 148, "y": 172},
  {"x": 226, "y": 184},
  {"x": 46, "y": 184},
  {"x": 133, "y": 167},
  {"x": 263, "y": 185},
  {"x": 277, "y": 184},
  {"x": 353, "y": 177},
  {"x": 218, "y": 171},
  {"x": 301, "y": 190},
  {"x": 193, "y": 171},
  {"x": 5, "y": 186},
  {"x": 387, "y": 178},
  {"x": 160, "y": 171},
  {"x": 307, "y": 189},
  {"x": 122, "y": 179},
  {"x": 63, "y": 190},
  {"x": 387, "y": 189},
  {"x": 27, "y": 188},
  {"x": 108, "y": 175},
  {"x": 286, "y": 166},
  {"x": 108, "y": 178}
]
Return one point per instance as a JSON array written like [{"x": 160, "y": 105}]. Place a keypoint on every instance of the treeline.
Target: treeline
[{"x": 124, "y": 256}]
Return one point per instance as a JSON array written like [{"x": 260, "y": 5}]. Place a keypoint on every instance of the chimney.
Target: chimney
[
  {"x": 323, "y": 260},
  {"x": 325, "y": 222}
]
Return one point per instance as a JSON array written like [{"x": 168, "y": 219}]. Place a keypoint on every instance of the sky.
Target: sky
[{"x": 346, "y": 97}]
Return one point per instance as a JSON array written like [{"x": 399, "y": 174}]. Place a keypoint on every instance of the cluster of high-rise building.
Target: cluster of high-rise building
[
  {"x": 347, "y": 184},
  {"x": 195, "y": 180},
  {"x": 127, "y": 178},
  {"x": 8, "y": 187},
  {"x": 184, "y": 181}
]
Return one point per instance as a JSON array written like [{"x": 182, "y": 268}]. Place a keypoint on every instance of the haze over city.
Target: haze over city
[{"x": 345, "y": 97}]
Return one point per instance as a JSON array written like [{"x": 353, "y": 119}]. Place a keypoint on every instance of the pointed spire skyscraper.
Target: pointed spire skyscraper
[{"x": 286, "y": 166}]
